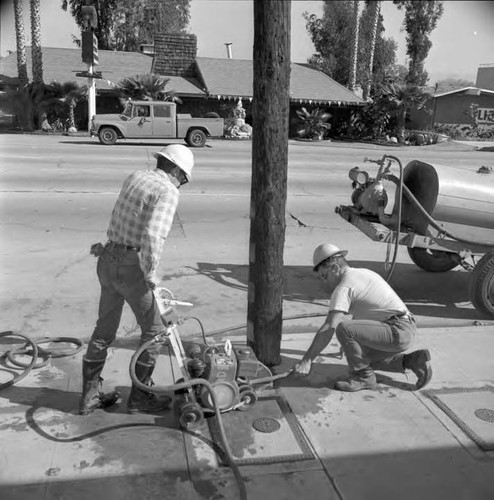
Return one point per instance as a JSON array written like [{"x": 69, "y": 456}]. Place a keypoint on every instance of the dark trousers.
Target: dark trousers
[
  {"x": 366, "y": 341},
  {"x": 122, "y": 280}
]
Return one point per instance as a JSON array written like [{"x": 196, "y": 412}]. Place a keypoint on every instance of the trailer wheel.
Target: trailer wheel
[
  {"x": 482, "y": 285},
  {"x": 107, "y": 136},
  {"x": 196, "y": 138},
  {"x": 433, "y": 261}
]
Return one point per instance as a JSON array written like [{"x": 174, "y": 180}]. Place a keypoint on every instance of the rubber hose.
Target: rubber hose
[
  {"x": 398, "y": 226},
  {"x": 45, "y": 353},
  {"x": 28, "y": 369},
  {"x": 187, "y": 385},
  {"x": 286, "y": 318}
]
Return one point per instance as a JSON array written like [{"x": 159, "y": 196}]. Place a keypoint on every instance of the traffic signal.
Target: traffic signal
[
  {"x": 89, "y": 17},
  {"x": 90, "y": 48}
]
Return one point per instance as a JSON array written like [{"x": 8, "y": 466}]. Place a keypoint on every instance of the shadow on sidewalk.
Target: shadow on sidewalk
[
  {"x": 429, "y": 294},
  {"x": 325, "y": 374}
]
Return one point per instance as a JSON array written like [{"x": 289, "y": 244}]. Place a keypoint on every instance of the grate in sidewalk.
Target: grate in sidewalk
[
  {"x": 472, "y": 409},
  {"x": 249, "y": 441}
]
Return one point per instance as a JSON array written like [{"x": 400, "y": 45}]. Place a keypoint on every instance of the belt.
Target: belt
[{"x": 121, "y": 245}]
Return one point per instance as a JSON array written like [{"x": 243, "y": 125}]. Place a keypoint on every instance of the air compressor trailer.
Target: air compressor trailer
[{"x": 426, "y": 196}]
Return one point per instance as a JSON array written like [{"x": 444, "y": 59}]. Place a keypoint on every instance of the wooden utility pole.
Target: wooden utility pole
[{"x": 270, "y": 114}]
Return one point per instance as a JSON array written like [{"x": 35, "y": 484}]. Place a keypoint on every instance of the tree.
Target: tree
[
  {"x": 399, "y": 98},
  {"x": 421, "y": 18},
  {"x": 62, "y": 98},
  {"x": 105, "y": 11},
  {"x": 333, "y": 33},
  {"x": 375, "y": 10},
  {"x": 20, "y": 43},
  {"x": 355, "y": 27},
  {"x": 270, "y": 112},
  {"x": 36, "y": 52},
  {"x": 448, "y": 84},
  {"x": 125, "y": 24},
  {"x": 146, "y": 86}
]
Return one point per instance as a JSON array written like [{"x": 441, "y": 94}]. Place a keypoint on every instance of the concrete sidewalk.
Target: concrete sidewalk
[{"x": 391, "y": 443}]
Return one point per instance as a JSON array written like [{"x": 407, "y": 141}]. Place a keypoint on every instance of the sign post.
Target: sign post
[{"x": 89, "y": 44}]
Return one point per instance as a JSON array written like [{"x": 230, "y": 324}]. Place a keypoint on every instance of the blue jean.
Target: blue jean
[
  {"x": 365, "y": 341},
  {"x": 122, "y": 280}
]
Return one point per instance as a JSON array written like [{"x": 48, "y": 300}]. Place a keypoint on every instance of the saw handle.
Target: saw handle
[{"x": 173, "y": 303}]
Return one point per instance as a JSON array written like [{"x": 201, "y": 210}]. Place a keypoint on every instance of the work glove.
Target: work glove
[
  {"x": 302, "y": 367},
  {"x": 151, "y": 281}
]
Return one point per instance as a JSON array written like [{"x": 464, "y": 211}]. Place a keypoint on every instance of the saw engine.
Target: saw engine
[
  {"x": 369, "y": 194},
  {"x": 229, "y": 368}
]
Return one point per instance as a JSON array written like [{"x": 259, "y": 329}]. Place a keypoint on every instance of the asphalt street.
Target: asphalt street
[{"x": 58, "y": 192}]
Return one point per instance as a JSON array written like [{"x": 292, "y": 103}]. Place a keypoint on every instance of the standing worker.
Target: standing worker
[
  {"x": 140, "y": 222},
  {"x": 380, "y": 330}
]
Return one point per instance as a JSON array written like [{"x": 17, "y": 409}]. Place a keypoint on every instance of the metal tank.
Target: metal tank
[{"x": 448, "y": 194}]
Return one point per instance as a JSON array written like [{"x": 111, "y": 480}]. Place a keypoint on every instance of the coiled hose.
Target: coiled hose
[{"x": 30, "y": 366}]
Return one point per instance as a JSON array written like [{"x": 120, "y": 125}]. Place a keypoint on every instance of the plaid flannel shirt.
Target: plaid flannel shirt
[{"x": 143, "y": 216}]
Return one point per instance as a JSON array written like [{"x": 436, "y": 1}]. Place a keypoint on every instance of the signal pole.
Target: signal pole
[
  {"x": 270, "y": 112},
  {"x": 90, "y": 56}
]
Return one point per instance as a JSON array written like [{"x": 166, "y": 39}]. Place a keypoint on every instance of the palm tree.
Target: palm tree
[
  {"x": 146, "y": 86},
  {"x": 62, "y": 98},
  {"x": 36, "y": 53},
  {"x": 375, "y": 22},
  {"x": 355, "y": 28},
  {"x": 20, "y": 41},
  {"x": 400, "y": 98}
]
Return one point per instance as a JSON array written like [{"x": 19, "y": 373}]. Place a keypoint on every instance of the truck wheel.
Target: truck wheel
[
  {"x": 433, "y": 261},
  {"x": 196, "y": 138},
  {"x": 107, "y": 136},
  {"x": 482, "y": 285}
]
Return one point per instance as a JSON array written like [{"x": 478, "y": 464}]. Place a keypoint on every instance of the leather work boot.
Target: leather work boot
[
  {"x": 419, "y": 363},
  {"x": 91, "y": 398},
  {"x": 357, "y": 381},
  {"x": 146, "y": 402}
]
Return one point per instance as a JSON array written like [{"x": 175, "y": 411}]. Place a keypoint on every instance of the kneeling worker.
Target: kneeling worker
[{"x": 380, "y": 330}]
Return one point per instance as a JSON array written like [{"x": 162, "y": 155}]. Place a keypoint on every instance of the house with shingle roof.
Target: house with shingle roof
[{"x": 203, "y": 84}]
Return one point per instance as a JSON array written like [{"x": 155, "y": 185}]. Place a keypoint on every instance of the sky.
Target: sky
[{"x": 463, "y": 39}]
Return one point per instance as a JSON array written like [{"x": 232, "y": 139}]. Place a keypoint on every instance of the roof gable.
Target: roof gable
[{"x": 466, "y": 91}]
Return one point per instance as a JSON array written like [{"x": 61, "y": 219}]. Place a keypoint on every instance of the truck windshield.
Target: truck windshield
[{"x": 127, "y": 110}]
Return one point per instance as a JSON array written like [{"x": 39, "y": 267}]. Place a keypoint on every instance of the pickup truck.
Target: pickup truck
[{"x": 154, "y": 120}]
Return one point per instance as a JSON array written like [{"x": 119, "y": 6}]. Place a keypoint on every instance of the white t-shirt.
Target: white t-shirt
[{"x": 365, "y": 295}]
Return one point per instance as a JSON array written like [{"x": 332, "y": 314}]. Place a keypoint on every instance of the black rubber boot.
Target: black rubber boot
[
  {"x": 146, "y": 402},
  {"x": 357, "y": 381},
  {"x": 91, "y": 398},
  {"x": 420, "y": 364}
]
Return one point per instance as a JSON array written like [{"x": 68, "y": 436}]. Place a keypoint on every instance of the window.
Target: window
[
  {"x": 162, "y": 111},
  {"x": 141, "y": 111}
]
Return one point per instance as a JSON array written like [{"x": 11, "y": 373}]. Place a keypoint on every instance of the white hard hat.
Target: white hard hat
[
  {"x": 180, "y": 155},
  {"x": 325, "y": 251}
]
